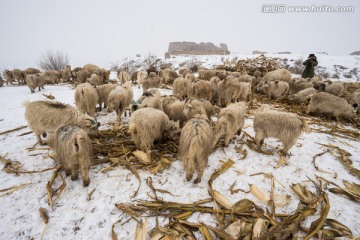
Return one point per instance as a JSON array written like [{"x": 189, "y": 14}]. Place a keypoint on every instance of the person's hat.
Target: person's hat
[{"x": 311, "y": 55}]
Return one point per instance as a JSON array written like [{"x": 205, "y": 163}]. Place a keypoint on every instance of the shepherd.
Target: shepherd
[{"x": 310, "y": 63}]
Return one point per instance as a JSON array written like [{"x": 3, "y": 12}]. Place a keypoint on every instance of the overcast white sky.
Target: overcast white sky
[{"x": 105, "y": 31}]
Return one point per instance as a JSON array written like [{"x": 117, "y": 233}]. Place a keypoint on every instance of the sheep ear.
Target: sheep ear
[{"x": 276, "y": 81}]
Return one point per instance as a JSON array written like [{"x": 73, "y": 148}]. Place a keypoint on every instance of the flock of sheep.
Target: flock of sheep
[{"x": 187, "y": 112}]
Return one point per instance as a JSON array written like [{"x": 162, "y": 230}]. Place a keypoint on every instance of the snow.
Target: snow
[{"x": 73, "y": 216}]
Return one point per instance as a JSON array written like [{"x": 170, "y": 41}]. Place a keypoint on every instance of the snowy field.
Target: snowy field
[{"x": 75, "y": 217}]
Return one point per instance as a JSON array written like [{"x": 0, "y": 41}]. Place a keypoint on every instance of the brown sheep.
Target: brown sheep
[
  {"x": 230, "y": 121},
  {"x": 189, "y": 77},
  {"x": 181, "y": 88},
  {"x": 274, "y": 89},
  {"x": 123, "y": 76},
  {"x": 82, "y": 75},
  {"x": 330, "y": 105},
  {"x": 1, "y": 81},
  {"x": 298, "y": 84},
  {"x": 151, "y": 81},
  {"x": 154, "y": 92},
  {"x": 119, "y": 99},
  {"x": 257, "y": 74},
  {"x": 301, "y": 97},
  {"x": 195, "y": 145},
  {"x": 148, "y": 125},
  {"x": 284, "y": 126},
  {"x": 19, "y": 76},
  {"x": 246, "y": 78},
  {"x": 103, "y": 92},
  {"x": 8, "y": 76},
  {"x": 91, "y": 68},
  {"x": 86, "y": 98},
  {"x": 95, "y": 79},
  {"x": 207, "y": 74},
  {"x": 73, "y": 150},
  {"x": 174, "y": 109},
  {"x": 51, "y": 76},
  {"x": 35, "y": 80},
  {"x": 105, "y": 75},
  {"x": 66, "y": 74},
  {"x": 200, "y": 89},
  {"x": 134, "y": 77},
  {"x": 169, "y": 76},
  {"x": 44, "y": 117},
  {"x": 29, "y": 71}
]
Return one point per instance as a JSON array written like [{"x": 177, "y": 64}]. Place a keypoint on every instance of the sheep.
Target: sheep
[
  {"x": 284, "y": 126},
  {"x": 195, "y": 145},
  {"x": 86, "y": 98},
  {"x": 134, "y": 77},
  {"x": 210, "y": 110},
  {"x": 257, "y": 74},
  {"x": 66, "y": 74},
  {"x": 152, "y": 81},
  {"x": 301, "y": 96},
  {"x": 335, "y": 88},
  {"x": 19, "y": 76},
  {"x": 8, "y": 76},
  {"x": 119, "y": 99},
  {"x": 35, "y": 80},
  {"x": 180, "y": 88},
  {"x": 228, "y": 90},
  {"x": 46, "y": 116},
  {"x": 169, "y": 76},
  {"x": 298, "y": 84},
  {"x": 330, "y": 105},
  {"x": 355, "y": 100},
  {"x": 1, "y": 81},
  {"x": 233, "y": 74},
  {"x": 147, "y": 100},
  {"x": 279, "y": 74},
  {"x": 207, "y": 74},
  {"x": 189, "y": 77},
  {"x": 246, "y": 78},
  {"x": 103, "y": 92},
  {"x": 174, "y": 109},
  {"x": 200, "y": 89},
  {"x": 275, "y": 89},
  {"x": 29, "y": 71},
  {"x": 91, "y": 68},
  {"x": 82, "y": 75},
  {"x": 154, "y": 92},
  {"x": 214, "y": 87},
  {"x": 105, "y": 75},
  {"x": 230, "y": 121},
  {"x": 184, "y": 71},
  {"x": 148, "y": 125},
  {"x": 123, "y": 76},
  {"x": 73, "y": 150},
  {"x": 51, "y": 76},
  {"x": 243, "y": 91},
  {"x": 95, "y": 79},
  {"x": 141, "y": 75}
]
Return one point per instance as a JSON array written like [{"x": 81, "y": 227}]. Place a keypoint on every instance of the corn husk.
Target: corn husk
[{"x": 259, "y": 193}]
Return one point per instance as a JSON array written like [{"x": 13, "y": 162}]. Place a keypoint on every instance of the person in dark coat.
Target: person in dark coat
[{"x": 310, "y": 63}]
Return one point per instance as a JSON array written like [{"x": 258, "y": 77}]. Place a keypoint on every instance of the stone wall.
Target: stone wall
[{"x": 191, "y": 48}]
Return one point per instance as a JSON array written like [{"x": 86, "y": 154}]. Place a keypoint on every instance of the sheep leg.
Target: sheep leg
[
  {"x": 85, "y": 176},
  {"x": 259, "y": 139},
  {"x": 38, "y": 137},
  {"x": 200, "y": 169},
  {"x": 74, "y": 172},
  {"x": 67, "y": 172},
  {"x": 287, "y": 146},
  {"x": 189, "y": 165},
  {"x": 227, "y": 139}
]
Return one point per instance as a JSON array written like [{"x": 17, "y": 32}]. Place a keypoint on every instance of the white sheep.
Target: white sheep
[{"x": 86, "y": 98}]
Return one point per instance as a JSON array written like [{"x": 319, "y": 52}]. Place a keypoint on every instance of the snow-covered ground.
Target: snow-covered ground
[{"x": 74, "y": 217}]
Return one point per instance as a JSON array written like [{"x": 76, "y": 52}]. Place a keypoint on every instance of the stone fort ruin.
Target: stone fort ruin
[{"x": 192, "y": 48}]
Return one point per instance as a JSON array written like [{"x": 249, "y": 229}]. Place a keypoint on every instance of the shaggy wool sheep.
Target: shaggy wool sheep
[
  {"x": 19, "y": 76},
  {"x": 301, "y": 97},
  {"x": 1, "y": 82},
  {"x": 181, "y": 88},
  {"x": 330, "y": 105},
  {"x": 82, "y": 75},
  {"x": 86, "y": 98},
  {"x": 284, "y": 126},
  {"x": 154, "y": 92},
  {"x": 207, "y": 74},
  {"x": 174, "y": 109},
  {"x": 243, "y": 91},
  {"x": 274, "y": 89},
  {"x": 95, "y": 79},
  {"x": 195, "y": 145},
  {"x": 105, "y": 75},
  {"x": 298, "y": 84},
  {"x": 141, "y": 75},
  {"x": 46, "y": 117},
  {"x": 8, "y": 76},
  {"x": 279, "y": 74},
  {"x": 201, "y": 103},
  {"x": 35, "y": 80},
  {"x": 29, "y": 71},
  {"x": 335, "y": 88},
  {"x": 91, "y": 68},
  {"x": 200, "y": 89},
  {"x": 168, "y": 76},
  {"x": 66, "y": 74},
  {"x": 151, "y": 81},
  {"x": 246, "y": 78},
  {"x": 228, "y": 89},
  {"x": 103, "y": 93},
  {"x": 230, "y": 121},
  {"x": 119, "y": 99},
  {"x": 73, "y": 150},
  {"x": 123, "y": 76},
  {"x": 184, "y": 71},
  {"x": 147, "y": 100},
  {"x": 148, "y": 125},
  {"x": 190, "y": 77},
  {"x": 257, "y": 74},
  {"x": 134, "y": 77},
  {"x": 355, "y": 100},
  {"x": 51, "y": 76}
]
